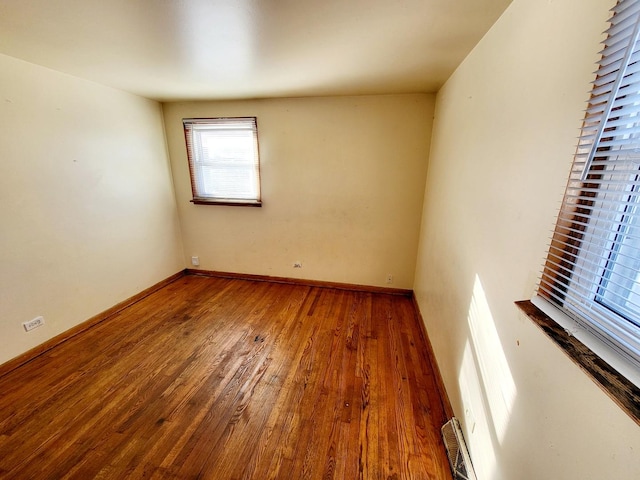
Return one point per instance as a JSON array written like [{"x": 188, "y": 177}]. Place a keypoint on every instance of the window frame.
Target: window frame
[
  {"x": 602, "y": 180},
  {"x": 589, "y": 279},
  {"x": 198, "y": 198}
]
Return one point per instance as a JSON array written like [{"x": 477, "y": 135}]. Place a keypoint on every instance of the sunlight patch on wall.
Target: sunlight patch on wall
[
  {"x": 495, "y": 375},
  {"x": 474, "y": 418},
  {"x": 487, "y": 388}
]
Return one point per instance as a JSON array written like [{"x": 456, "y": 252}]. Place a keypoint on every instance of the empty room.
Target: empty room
[{"x": 349, "y": 239}]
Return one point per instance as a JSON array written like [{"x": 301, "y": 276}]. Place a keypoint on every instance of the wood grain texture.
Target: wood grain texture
[
  {"x": 67, "y": 334},
  {"x": 215, "y": 378}
]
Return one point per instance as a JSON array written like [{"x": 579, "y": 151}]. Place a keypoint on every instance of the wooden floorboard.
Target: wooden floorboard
[{"x": 215, "y": 378}]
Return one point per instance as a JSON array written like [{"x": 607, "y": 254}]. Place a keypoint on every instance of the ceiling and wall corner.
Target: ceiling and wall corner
[
  {"x": 502, "y": 145},
  {"x": 87, "y": 210},
  {"x": 218, "y": 49},
  {"x": 342, "y": 182},
  {"x": 69, "y": 69},
  {"x": 529, "y": 412}
]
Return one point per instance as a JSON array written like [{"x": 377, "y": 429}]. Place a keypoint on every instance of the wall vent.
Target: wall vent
[{"x": 459, "y": 458}]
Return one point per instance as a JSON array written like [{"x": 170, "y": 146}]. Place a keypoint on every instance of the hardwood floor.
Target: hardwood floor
[{"x": 214, "y": 378}]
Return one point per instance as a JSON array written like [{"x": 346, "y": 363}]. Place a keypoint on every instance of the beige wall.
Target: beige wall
[
  {"x": 342, "y": 185},
  {"x": 87, "y": 211},
  {"x": 504, "y": 134}
]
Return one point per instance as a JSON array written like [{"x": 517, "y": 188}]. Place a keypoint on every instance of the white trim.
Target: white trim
[{"x": 615, "y": 359}]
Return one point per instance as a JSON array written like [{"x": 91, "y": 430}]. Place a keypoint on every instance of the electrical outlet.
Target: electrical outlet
[
  {"x": 297, "y": 265},
  {"x": 469, "y": 416},
  {"x": 195, "y": 261},
  {"x": 31, "y": 324},
  {"x": 389, "y": 278}
]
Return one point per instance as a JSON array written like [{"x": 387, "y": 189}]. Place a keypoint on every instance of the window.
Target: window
[
  {"x": 592, "y": 272},
  {"x": 223, "y": 160}
]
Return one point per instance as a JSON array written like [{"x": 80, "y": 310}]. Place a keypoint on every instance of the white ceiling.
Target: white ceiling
[{"x": 219, "y": 49}]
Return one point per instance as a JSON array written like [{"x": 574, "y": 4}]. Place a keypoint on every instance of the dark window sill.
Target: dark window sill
[
  {"x": 233, "y": 203},
  {"x": 621, "y": 390}
]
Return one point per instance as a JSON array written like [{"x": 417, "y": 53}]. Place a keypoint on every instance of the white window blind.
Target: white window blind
[
  {"x": 592, "y": 272},
  {"x": 223, "y": 160}
]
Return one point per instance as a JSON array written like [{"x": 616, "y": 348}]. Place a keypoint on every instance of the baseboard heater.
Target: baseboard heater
[{"x": 457, "y": 451}]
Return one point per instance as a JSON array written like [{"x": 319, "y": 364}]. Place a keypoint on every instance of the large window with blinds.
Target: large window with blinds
[
  {"x": 223, "y": 160},
  {"x": 592, "y": 272}
]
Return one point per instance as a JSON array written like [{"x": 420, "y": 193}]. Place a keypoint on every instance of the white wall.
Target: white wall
[
  {"x": 342, "y": 186},
  {"x": 504, "y": 134},
  {"x": 87, "y": 211}
]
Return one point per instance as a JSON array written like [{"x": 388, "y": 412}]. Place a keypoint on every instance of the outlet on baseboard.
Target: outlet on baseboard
[{"x": 35, "y": 323}]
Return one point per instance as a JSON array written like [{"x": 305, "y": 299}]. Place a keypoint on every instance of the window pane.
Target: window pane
[
  {"x": 223, "y": 159},
  {"x": 620, "y": 285},
  {"x": 592, "y": 269}
]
